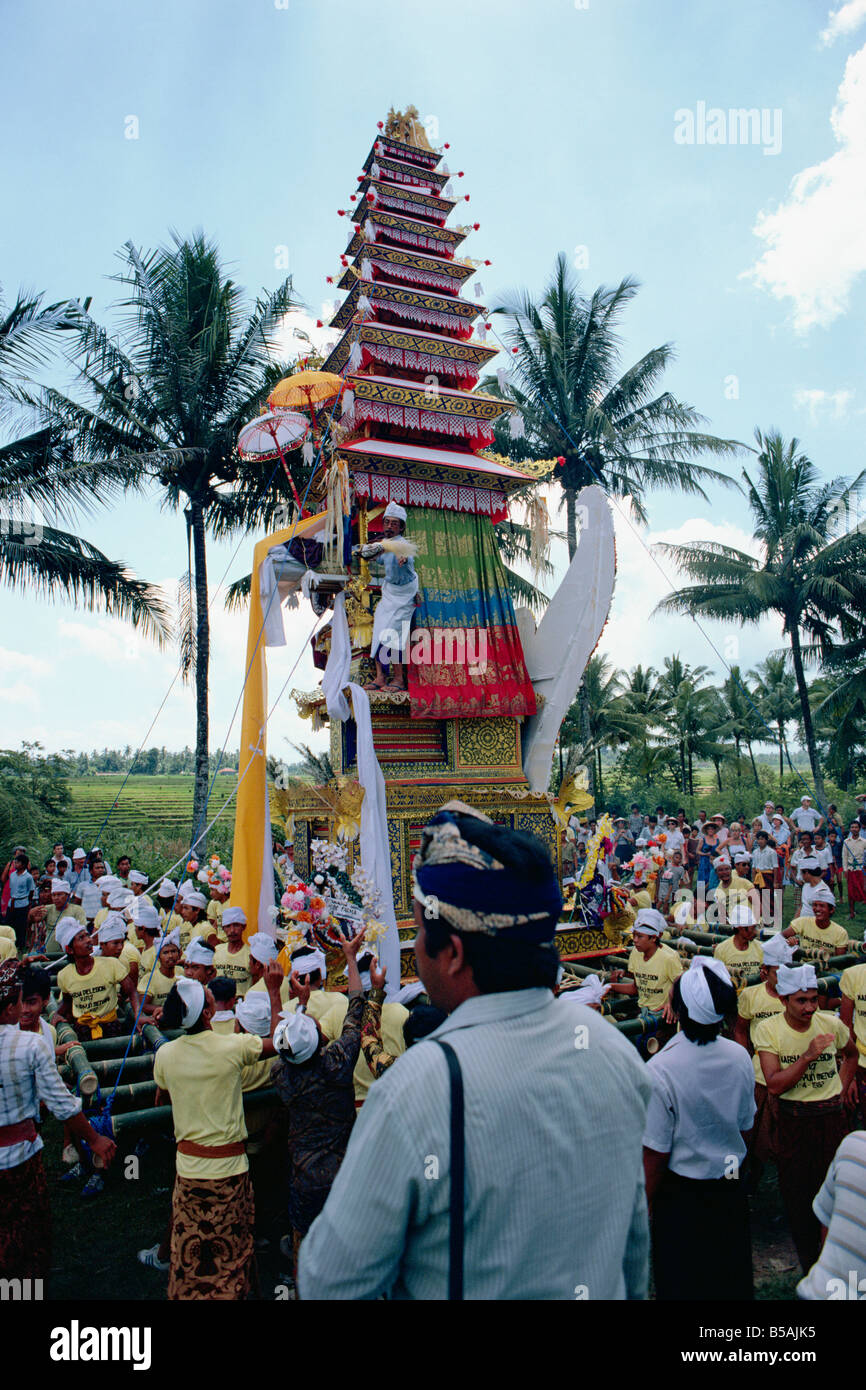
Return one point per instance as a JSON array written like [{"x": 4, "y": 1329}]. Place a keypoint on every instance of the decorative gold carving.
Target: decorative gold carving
[
  {"x": 446, "y": 402},
  {"x": 538, "y": 469},
  {"x": 490, "y": 743},
  {"x": 406, "y": 127}
]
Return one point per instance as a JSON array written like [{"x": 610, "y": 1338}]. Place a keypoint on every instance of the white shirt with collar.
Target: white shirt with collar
[
  {"x": 542, "y": 1216},
  {"x": 702, "y": 1097}
]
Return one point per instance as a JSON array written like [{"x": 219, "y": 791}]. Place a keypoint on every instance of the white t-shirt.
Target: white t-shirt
[
  {"x": 808, "y": 895},
  {"x": 805, "y": 817},
  {"x": 675, "y": 841},
  {"x": 90, "y": 897},
  {"x": 702, "y": 1098},
  {"x": 824, "y": 856},
  {"x": 840, "y": 1270}
]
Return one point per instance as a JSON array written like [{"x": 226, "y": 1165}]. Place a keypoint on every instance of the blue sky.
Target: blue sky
[{"x": 253, "y": 118}]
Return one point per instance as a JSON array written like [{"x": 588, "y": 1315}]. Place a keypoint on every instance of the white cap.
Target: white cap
[
  {"x": 695, "y": 992},
  {"x": 823, "y": 894},
  {"x": 136, "y": 876},
  {"x": 309, "y": 962},
  {"x": 651, "y": 921},
  {"x": 145, "y": 917},
  {"x": 119, "y": 899},
  {"x": 777, "y": 951},
  {"x": 59, "y": 885},
  {"x": 720, "y": 860},
  {"x": 108, "y": 883},
  {"x": 195, "y": 899},
  {"x": 171, "y": 938},
  {"x": 112, "y": 929},
  {"x": 232, "y": 915},
  {"x": 66, "y": 929},
  {"x": 167, "y": 889},
  {"x": 254, "y": 1013},
  {"x": 263, "y": 948},
  {"x": 790, "y": 979},
  {"x": 395, "y": 512},
  {"x": 193, "y": 999},
  {"x": 198, "y": 952},
  {"x": 592, "y": 991},
  {"x": 79, "y": 853},
  {"x": 296, "y": 1037}
]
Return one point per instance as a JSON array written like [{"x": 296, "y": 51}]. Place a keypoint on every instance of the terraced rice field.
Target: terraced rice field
[{"x": 162, "y": 804}]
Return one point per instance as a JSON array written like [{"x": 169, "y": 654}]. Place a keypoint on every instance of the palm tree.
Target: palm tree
[
  {"x": 813, "y": 579},
  {"x": 601, "y": 684},
  {"x": 839, "y": 711},
  {"x": 612, "y": 427},
  {"x": 741, "y": 722},
  {"x": 776, "y": 696},
  {"x": 43, "y": 492},
  {"x": 678, "y": 677},
  {"x": 166, "y": 398}
]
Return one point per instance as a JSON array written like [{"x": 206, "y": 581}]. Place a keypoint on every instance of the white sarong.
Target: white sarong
[{"x": 391, "y": 621}]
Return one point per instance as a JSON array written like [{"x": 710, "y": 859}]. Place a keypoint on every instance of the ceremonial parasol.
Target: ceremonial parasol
[
  {"x": 272, "y": 436},
  {"x": 305, "y": 390}
]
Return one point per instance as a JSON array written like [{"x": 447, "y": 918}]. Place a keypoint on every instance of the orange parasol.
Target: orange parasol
[{"x": 305, "y": 390}]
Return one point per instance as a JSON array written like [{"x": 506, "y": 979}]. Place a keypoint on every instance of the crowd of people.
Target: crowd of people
[{"x": 380, "y": 1167}]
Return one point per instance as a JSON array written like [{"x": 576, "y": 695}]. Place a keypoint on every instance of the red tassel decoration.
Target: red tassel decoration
[{"x": 476, "y": 226}]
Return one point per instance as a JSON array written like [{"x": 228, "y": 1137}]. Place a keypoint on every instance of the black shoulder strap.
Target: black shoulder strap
[{"x": 457, "y": 1173}]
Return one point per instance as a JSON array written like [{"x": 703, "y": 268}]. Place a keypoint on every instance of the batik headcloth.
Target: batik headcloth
[
  {"x": 475, "y": 892},
  {"x": 10, "y": 982}
]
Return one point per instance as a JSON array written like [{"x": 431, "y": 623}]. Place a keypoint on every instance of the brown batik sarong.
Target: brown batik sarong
[
  {"x": 211, "y": 1238},
  {"x": 25, "y": 1221}
]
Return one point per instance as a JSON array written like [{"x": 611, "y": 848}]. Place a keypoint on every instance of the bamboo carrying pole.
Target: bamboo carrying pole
[
  {"x": 161, "y": 1114},
  {"x": 77, "y": 1060}
]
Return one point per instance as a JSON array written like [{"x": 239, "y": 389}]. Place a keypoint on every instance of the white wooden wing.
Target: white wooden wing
[{"x": 557, "y": 653}]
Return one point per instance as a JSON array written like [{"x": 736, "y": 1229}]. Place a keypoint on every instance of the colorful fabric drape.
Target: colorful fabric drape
[{"x": 466, "y": 654}]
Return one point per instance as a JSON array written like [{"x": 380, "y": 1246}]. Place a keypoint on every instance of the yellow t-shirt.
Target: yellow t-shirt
[
  {"x": 223, "y": 1025},
  {"x": 8, "y": 949},
  {"x": 96, "y": 992},
  {"x": 755, "y": 1004},
  {"x": 202, "y": 1073},
  {"x": 643, "y": 897},
  {"x": 261, "y": 988},
  {"x": 175, "y": 921},
  {"x": 234, "y": 965},
  {"x": 393, "y": 1041},
  {"x": 160, "y": 986},
  {"x": 833, "y": 936},
  {"x": 740, "y": 964},
  {"x": 9, "y": 932},
  {"x": 852, "y": 983},
  {"x": 215, "y": 917},
  {"x": 654, "y": 977},
  {"x": 131, "y": 955},
  {"x": 820, "y": 1081},
  {"x": 99, "y": 918}
]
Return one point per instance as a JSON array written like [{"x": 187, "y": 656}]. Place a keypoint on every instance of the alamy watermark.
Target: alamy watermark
[
  {"x": 713, "y": 125},
  {"x": 436, "y": 647}
]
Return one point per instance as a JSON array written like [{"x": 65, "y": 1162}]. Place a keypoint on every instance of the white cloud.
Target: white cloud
[
  {"x": 820, "y": 404},
  {"x": 845, "y": 20},
  {"x": 11, "y": 661},
  {"x": 815, "y": 247},
  {"x": 18, "y": 694},
  {"x": 299, "y": 333}
]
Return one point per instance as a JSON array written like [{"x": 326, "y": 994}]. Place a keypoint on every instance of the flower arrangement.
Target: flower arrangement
[
  {"x": 601, "y": 843},
  {"x": 215, "y": 875}
]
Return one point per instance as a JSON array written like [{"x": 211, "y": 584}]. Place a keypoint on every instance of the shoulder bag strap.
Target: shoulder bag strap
[{"x": 457, "y": 1171}]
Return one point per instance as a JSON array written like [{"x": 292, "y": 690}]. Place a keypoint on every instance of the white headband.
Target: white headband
[
  {"x": 195, "y": 899},
  {"x": 823, "y": 894},
  {"x": 197, "y": 952},
  {"x": 171, "y": 938},
  {"x": 254, "y": 1014},
  {"x": 136, "y": 876},
  {"x": 193, "y": 999},
  {"x": 112, "y": 929},
  {"x": 695, "y": 992},
  {"x": 66, "y": 929},
  {"x": 144, "y": 917},
  {"x": 592, "y": 991},
  {"x": 309, "y": 963},
  {"x": 790, "y": 979},
  {"x": 296, "y": 1037},
  {"x": 395, "y": 512},
  {"x": 650, "y": 921},
  {"x": 59, "y": 885},
  {"x": 263, "y": 948},
  {"x": 233, "y": 914},
  {"x": 777, "y": 951}
]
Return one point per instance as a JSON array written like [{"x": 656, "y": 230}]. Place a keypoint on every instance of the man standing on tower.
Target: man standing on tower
[{"x": 394, "y": 610}]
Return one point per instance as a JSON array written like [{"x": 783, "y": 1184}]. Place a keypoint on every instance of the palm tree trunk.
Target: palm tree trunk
[
  {"x": 781, "y": 753},
  {"x": 691, "y": 775},
  {"x": 202, "y": 661},
  {"x": 600, "y": 784},
  {"x": 571, "y": 520},
  {"x": 806, "y": 711},
  {"x": 754, "y": 768}
]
